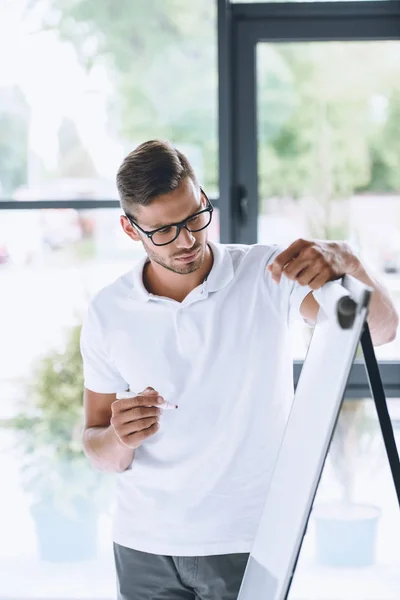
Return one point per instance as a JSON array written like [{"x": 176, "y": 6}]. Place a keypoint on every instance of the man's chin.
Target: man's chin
[{"x": 186, "y": 268}]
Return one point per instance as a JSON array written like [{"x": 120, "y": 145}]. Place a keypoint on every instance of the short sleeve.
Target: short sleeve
[
  {"x": 288, "y": 295},
  {"x": 296, "y": 296},
  {"x": 99, "y": 371}
]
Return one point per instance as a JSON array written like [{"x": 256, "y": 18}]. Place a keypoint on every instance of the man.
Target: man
[{"x": 203, "y": 326}]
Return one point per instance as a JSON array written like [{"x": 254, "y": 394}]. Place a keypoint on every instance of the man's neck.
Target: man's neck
[{"x": 161, "y": 282}]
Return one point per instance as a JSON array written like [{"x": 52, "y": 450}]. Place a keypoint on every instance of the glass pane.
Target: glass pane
[
  {"x": 79, "y": 90},
  {"x": 350, "y": 549},
  {"x": 329, "y": 153},
  {"x": 53, "y": 261}
]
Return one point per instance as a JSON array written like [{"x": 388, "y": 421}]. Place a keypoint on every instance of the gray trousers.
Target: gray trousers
[{"x": 142, "y": 576}]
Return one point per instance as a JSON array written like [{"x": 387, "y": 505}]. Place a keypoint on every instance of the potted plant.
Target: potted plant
[
  {"x": 346, "y": 530},
  {"x": 64, "y": 490}
]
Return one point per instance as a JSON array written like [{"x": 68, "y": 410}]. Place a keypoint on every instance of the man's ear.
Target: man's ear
[
  {"x": 203, "y": 198},
  {"x": 129, "y": 229}
]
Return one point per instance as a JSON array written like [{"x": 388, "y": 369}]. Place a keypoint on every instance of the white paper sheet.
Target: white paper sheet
[{"x": 305, "y": 443}]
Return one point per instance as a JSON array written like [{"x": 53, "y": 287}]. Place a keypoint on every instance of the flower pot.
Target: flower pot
[
  {"x": 346, "y": 534},
  {"x": 65, "y": 537}
]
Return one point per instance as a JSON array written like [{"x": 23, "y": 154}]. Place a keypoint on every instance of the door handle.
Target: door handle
[{"x": 242, "y": 204}]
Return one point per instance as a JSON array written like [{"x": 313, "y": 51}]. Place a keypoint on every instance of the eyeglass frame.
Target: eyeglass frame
[{"x": 180, "y": 225}]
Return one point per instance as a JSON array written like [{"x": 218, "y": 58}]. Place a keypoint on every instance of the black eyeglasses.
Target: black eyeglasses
[{"x": 168, "y": 234}]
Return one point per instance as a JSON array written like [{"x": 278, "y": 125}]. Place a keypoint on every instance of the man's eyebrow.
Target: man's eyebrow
[{"x": 169, "y": 224}]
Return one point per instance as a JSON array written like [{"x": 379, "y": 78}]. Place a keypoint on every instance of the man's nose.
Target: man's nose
[{"x": 185, "y": 239}]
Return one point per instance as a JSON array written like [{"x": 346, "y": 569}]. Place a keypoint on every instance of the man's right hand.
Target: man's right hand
[{"x": 135, "y": 419}]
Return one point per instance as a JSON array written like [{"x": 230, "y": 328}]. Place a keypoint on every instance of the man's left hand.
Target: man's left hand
[{"x": 313, "y": 263}]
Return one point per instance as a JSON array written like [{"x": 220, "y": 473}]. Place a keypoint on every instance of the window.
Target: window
[
  {"x": 80, "y": 89},
  {"x": 329, "y": 154}
]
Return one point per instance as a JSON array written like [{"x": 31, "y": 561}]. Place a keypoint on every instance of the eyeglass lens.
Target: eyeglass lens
[{"x": 170, "y": 233}]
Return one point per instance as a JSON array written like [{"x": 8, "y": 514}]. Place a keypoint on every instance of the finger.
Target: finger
[
  {"x": 132, "y": 394},
  {"x": 295, "y": 267},
  {"x": 134, "y": 414},
  {"x": 310, "y": 273},
  {"x": 135, "y": 426},
  {"x": 139, "y": 400},
  {"x": 149, "y": 390},
  {"x": 320, "y": 280},
  {"x": 286, "y": 256},
  {"x": 140, "y": 412},
  {"x": 136, "y": 439}
]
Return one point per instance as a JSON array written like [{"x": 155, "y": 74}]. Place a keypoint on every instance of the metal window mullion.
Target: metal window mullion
[
  {"x": 84, "y": 204},
  {"x": 245, "y": 120},
  {"x": 323, "y": 30},
  {"x": 356, "y": 12},
  {"x": 225, "y": 123}
]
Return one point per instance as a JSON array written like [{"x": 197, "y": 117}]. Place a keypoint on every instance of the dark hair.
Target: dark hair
[{"x": 152, "y": 169}]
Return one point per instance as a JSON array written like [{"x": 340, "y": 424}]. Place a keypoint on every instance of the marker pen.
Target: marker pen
[{"x": 129, "y": 394}]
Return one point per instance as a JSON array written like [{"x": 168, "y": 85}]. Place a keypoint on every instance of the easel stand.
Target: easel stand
[
  {"x": 378, "y": 394},
  {"x": 341, "y": 326}
]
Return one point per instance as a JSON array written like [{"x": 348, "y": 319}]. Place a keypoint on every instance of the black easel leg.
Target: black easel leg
[{"x": 378, "y": 394}]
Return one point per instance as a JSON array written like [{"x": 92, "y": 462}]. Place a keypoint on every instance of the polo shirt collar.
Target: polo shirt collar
[
  {"x": 137, "y": 276},
  {"x": 221, "y": 273},
  {"x": 222, "y": 270}
]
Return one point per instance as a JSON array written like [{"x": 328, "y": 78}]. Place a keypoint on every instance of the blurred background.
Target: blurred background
[{"x": 82, "y": 82}]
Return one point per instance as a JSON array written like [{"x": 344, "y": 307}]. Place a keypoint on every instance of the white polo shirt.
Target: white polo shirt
[{"x": 198, "y": 486}]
